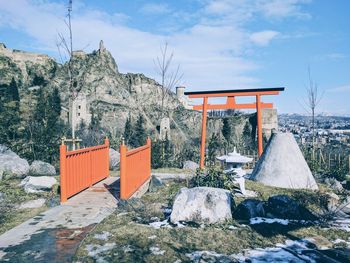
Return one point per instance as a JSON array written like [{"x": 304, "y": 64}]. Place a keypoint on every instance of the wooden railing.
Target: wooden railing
[
  {"x": 135, "y": 168},
  {"x": 82, "y": 168}
]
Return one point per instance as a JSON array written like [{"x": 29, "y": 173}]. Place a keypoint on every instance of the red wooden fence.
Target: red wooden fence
[
  {"x": 135, "y": 168},
  {"x": 82, "y": 168}
]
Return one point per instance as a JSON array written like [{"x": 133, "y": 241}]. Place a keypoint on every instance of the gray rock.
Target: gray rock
[
  {"x": 41, "y": 168},
  {"x": 32, "y": 204},
  {"x": 250, "y": 208},
  {"x": 35, "y": 184},
  {"x": 155, "y": 184},
  {"x": 282, "y": 206},
  {"x": 189, "y": 165},
  {"x": 334, "y": 184},
  {"x": 114, "y": 159},
  {"x": 202, "y": 205},
  {"x": 11, "y": 163}
]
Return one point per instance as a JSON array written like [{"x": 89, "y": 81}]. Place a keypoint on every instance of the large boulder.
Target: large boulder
[
  {"x": 41, "y": 168},
  {"x": 189, "y": 165},
  {"x": 202, "y": 205},
  {"x": 282, "y": 206},
  {"x": 11, "y": 163},
  {"x": 282, "y": 164},
  {"x": 114, "y": 159},
  {"x": 250, "y": 208},
  {"x": 35, "y": 184}
]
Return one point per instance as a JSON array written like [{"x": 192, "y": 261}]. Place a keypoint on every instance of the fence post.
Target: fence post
[
  {"x": 123, "y": 167},
  {"x": 107, "y": 156},
  {"x": 63, "y": 179},
  {"x": 149, "y": 155}
]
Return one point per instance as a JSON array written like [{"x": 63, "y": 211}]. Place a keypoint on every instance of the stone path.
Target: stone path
[{"x": 54, "y": 235}]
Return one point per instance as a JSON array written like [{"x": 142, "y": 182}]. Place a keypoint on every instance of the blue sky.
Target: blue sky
[{"x": 219, "y": 44}]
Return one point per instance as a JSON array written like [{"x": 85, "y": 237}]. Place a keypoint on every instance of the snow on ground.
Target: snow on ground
[
  {"x": 165, "y": 224},
  {"x": 159, "y": 224},
  {"x": 156, "y": 251},
  {"x": 259, "y": 220},
  {"x": 94, "y": 250},
  {"x": 291, "y": 251},
  {"x": 339, "y": 241},
  {"x": 103, "y": 236},
  {"x": 341, "y": 223}
]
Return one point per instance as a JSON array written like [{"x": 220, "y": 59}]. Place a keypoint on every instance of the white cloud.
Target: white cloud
[
  {"x": 263, "y": 38},
  {"x": 210, "y": 51},
  {"x": 336, "y": 56},
  {"x": 344, "y": 88},
  {"x": 153, "y": 8},
  {"x": 283, "y": 8}
]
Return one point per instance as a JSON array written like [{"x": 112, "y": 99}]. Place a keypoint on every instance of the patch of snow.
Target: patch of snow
[
  {"x": 128, "y": 249},
  {"x": 156, "y": 251},
  {"x": 152, "y": 237},
  {"x": 341, "y": 223},
  {"x": 259, "y": 220},
  {"x": 103, "y": 236},
  {"x": 291, "y": 251},
  {"x": 232, "y": 227},
  {"x": 160, "y": 224},
  {"x": 167, "y": 210},
  {"x": 94, "y": 250},
  {"x": 198, "y": 256},
  {"x": 338, "y": 241}
]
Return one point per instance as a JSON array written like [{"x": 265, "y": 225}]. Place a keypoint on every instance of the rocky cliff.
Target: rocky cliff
[{"x": 110, "y": 94}]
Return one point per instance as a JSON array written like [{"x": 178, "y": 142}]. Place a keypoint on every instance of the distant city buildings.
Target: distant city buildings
[{"x": 328, "y": 129}]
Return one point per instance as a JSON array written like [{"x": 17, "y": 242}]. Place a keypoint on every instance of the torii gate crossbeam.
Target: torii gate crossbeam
[{"x": 231, "y": 104}]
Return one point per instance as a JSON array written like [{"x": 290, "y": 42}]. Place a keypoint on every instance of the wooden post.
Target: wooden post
[
  {"x": 148, "y": 142},
  {"x": 259, "y": 125},
  {"x": 204, "y": 131},
  {"x": 123, "y": 167},
  {"x": 63, "y": 178},
  {"x": 107, "y": 156}
]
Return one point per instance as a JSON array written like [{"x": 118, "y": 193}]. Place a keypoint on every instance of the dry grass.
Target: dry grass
[{"x": 14, "y": 195}]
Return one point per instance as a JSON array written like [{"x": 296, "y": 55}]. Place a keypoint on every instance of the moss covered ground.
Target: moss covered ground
[{"x": 129, "y": 237}]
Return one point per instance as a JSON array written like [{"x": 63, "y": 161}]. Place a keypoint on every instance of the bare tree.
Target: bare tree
[
  {"x": 65, "y": 49},
  {"x": 169, "y": 78},
  {"x": 313, "y": 98}
]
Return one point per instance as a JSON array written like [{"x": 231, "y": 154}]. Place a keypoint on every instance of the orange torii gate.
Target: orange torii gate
[{"x": 231, "y": 104}]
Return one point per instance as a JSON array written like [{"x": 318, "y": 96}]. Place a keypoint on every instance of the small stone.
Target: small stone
[
  {"x": 189, "y": 165},
  {"x": 35, "y": 184},
  {"x": 249, "y": 208},
  {"x": 32, "y": 204}
]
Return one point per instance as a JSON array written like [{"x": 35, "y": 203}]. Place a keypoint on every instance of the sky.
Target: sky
[{"x": 219, "y": 44}]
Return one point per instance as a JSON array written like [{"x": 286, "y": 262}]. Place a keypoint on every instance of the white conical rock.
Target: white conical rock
[{"x": 283, "y": 165}]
